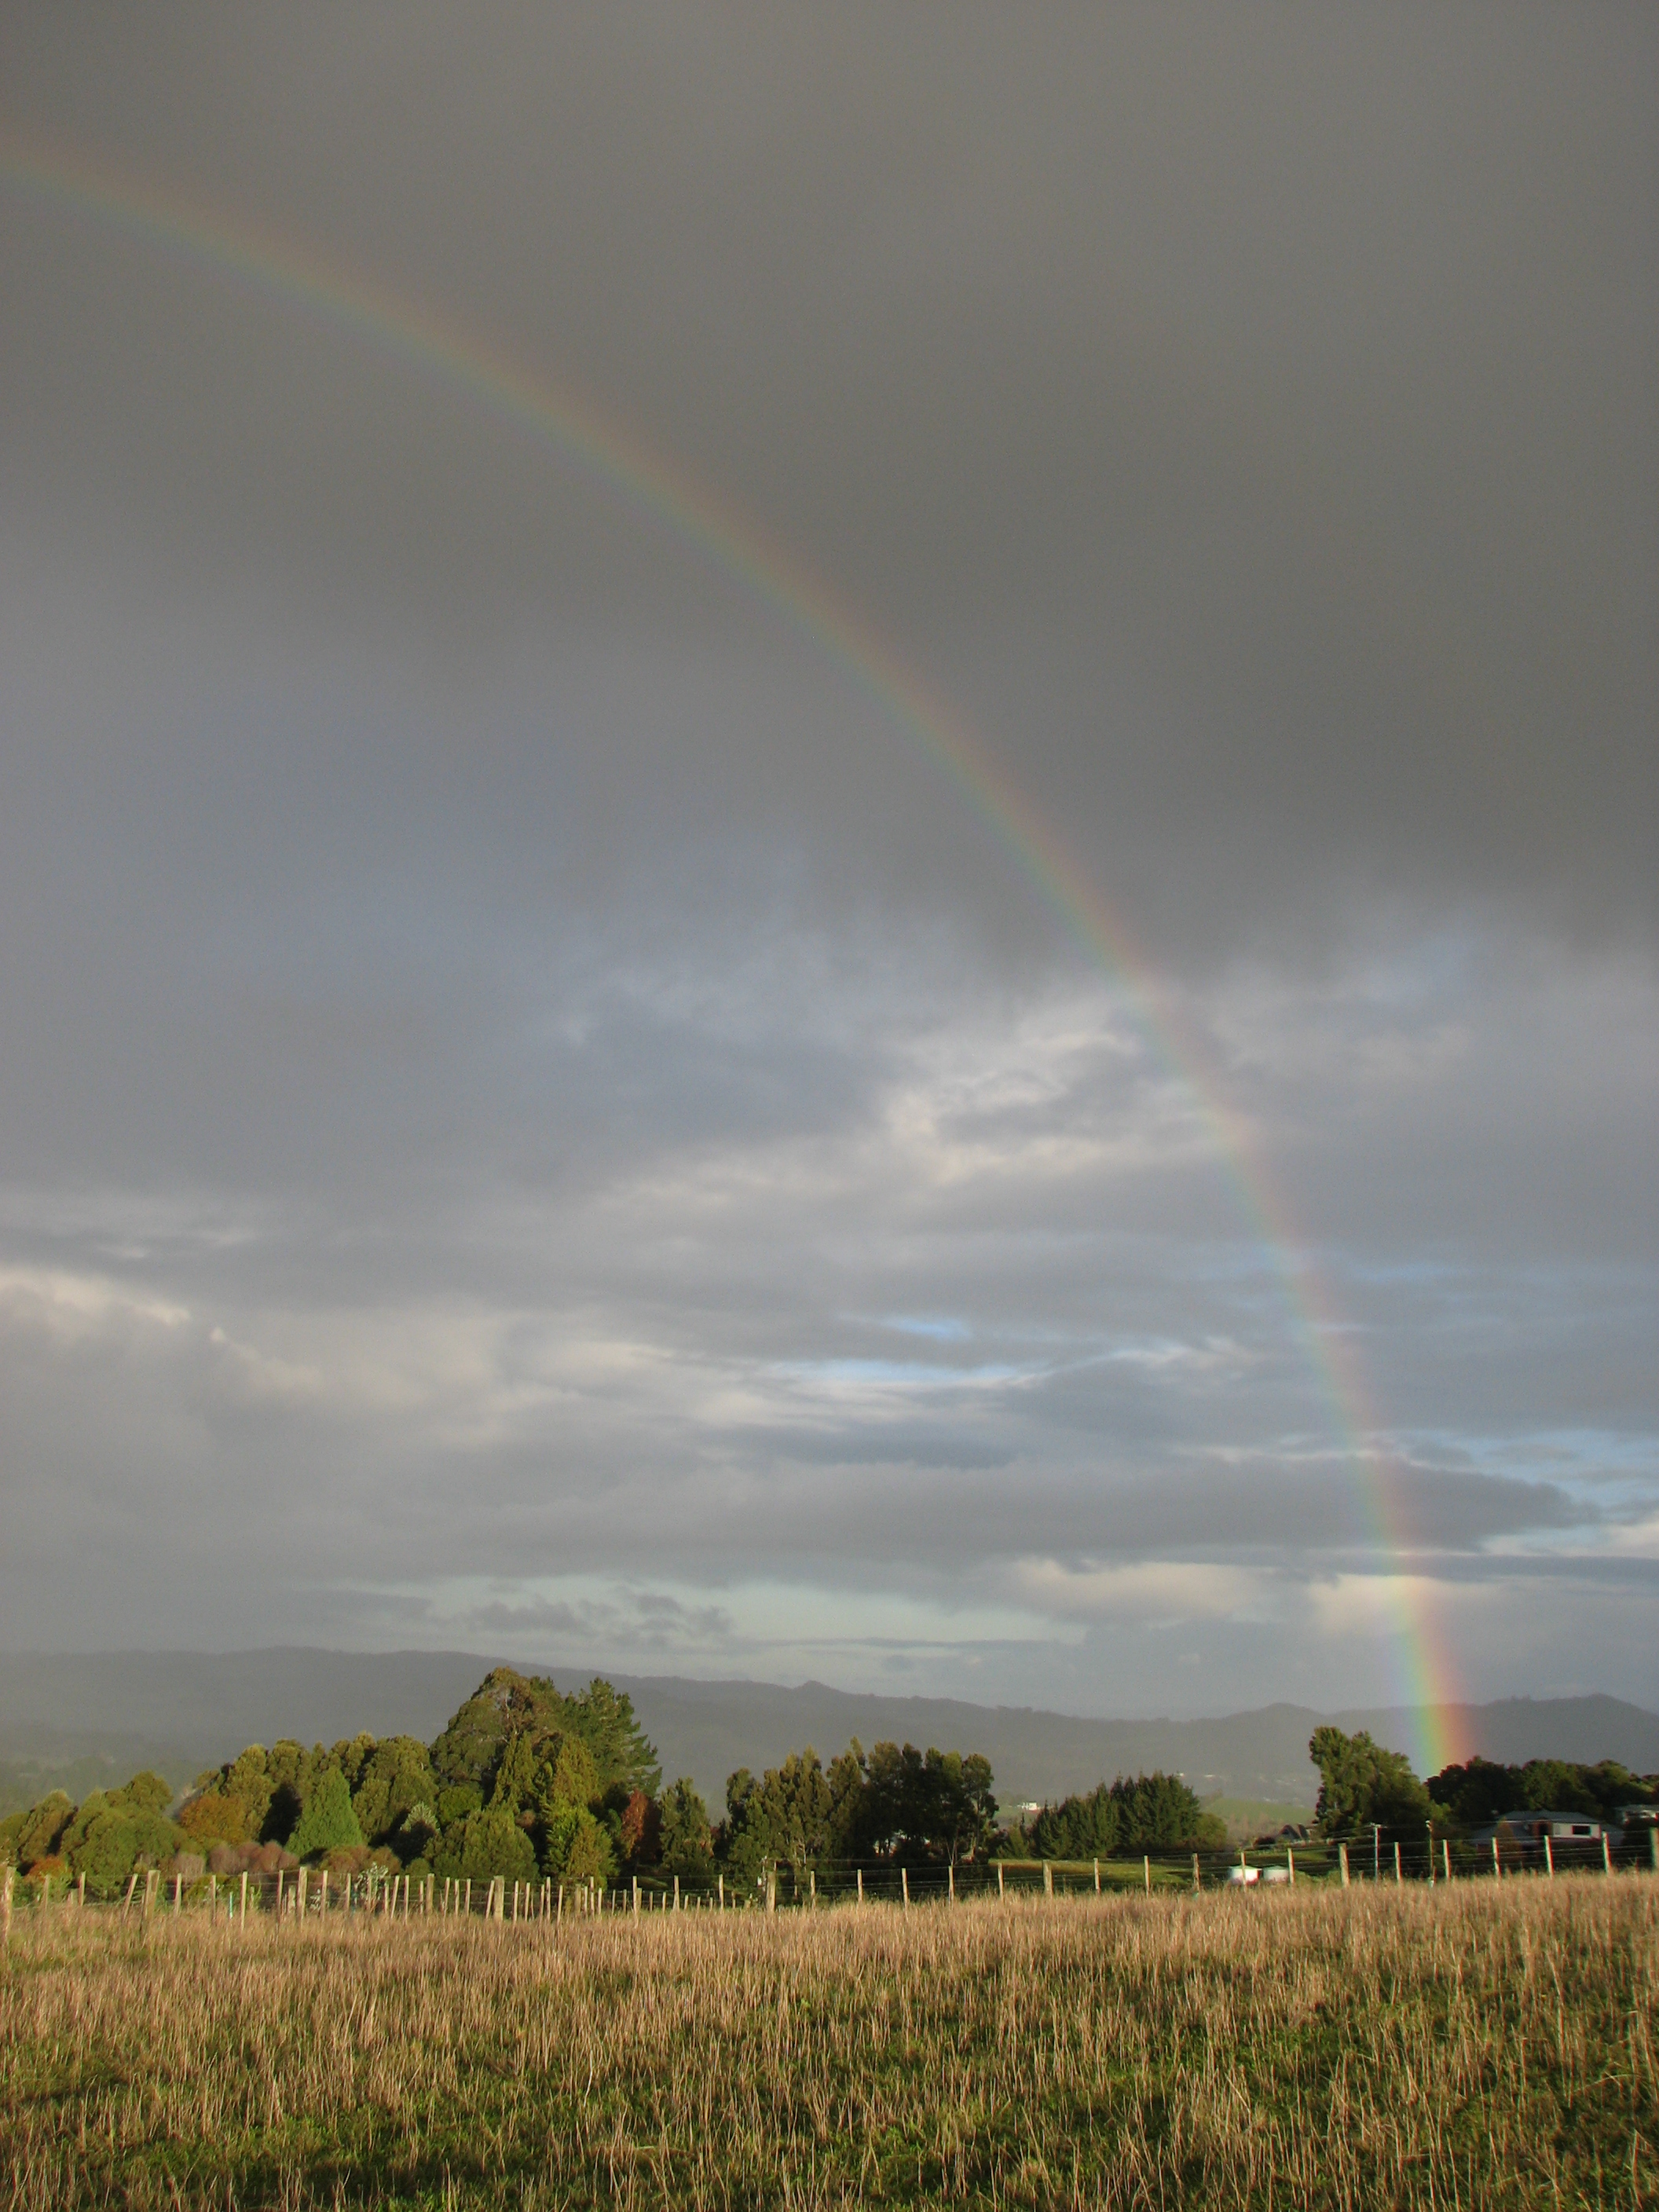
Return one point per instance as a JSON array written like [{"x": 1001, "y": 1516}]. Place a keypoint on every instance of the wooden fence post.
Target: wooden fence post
[
  {"x": 1607, "y": 1854},
  {"x": 1096, "y": 1877},
  {"x": 1148, "y": 1862},
  {"x": 300, "y": 1896},
  {"x": 81, "y": 1890},
  {"x": 904, "y": 1884},
  {"x": 1001, "y": 1892},
  {"x": 1497, "y": 1863},
  {"x": 1397, "y": 1875},
  {"x": 721, "y": 1882},
  {"x": 953, "y": 1884},
  {"x": 1549, "y": 1855},
  {"x": 1048, "y": 1879},
  {"x": 1445, "y": 1856},
  {"x": 279, "y": 1893},
  {"x": 1197, "y": 1883},
  {"x": 861, "y": 1881},
  {"x": 676, "y": 1893},
  {"x": 1342, "y": 1861},
  {"x": 244, "y": 1901},
  {"x": 7, "y": 1879},
  {"x": 1290, "y": 1862},
  {"x": 1653, "y": 1847}
]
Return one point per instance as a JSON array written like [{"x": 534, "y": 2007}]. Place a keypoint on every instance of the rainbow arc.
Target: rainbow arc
[{"x": 583, "y": 434}]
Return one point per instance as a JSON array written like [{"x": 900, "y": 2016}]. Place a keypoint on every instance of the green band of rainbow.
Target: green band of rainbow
[{"x": 582, "y": 434}]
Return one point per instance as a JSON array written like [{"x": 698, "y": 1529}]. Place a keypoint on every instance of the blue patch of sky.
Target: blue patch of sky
[
  {"x": 944, "y": 1328},
  {"x": 902, "y": 1374}
]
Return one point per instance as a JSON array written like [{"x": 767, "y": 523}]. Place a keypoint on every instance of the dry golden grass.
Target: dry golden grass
[{"x": 1471, "y": 2046}]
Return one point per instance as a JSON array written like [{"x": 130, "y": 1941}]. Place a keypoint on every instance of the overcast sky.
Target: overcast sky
[{"x": 534, "y": 1115}]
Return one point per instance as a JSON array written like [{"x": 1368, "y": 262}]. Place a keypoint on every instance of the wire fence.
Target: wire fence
[{"x": 310, "y": 1894}]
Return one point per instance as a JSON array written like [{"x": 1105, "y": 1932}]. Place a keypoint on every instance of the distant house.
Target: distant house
[{"x": 1532, "y": 1827}]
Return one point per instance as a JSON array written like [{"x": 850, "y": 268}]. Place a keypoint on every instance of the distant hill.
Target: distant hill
[{"x": 67, "y": 1720}]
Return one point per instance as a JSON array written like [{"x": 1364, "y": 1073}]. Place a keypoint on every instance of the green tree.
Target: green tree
[
  {"x": 1362, "y": 1784},
  {"x": 289, "y": 1768},
  {"x": 1083, "y": 1827},
  {"x": 484, "y": 1844},
  {"x": 848, "y": 1785},
  {"x": 742, "y": 1844},
  {"x": 115, "y": 1840},
  {"x": 623, "y": 1755},
  {"x": 327, "y": 1823},
  {"x": 390, "y": 1779},
  {"x": 42, "y": 1831},
  {"x": 247, "y": 1778},
  {"x": 1472, "y": 1796},
  {"x": 685, "y": 1842},
  {"x": 1549, "y": 1784},
  {"x": 505, "y": 1704},
  {"x": 517, "y": 1772},
  {"x": 214, "y": 1817},
  {"x": 585, "y": 1848},
  {"x": 961, "y": 1811},
  {"x": 147, "y": 1792}
]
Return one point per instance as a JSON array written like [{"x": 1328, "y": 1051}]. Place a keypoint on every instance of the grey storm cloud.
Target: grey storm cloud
[
  {"x": 1251, "y": 421},
  {"x": 534, "y": 1109}
]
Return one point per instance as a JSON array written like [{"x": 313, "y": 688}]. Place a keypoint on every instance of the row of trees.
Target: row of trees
[
  {"x": 1362, "y": 1783},
  {"x": 1149, "y": 1813},
  {"x": 523, "y": 1781},
  {"x": 896, "y": 1804},
  {"x": 526, "y": 1782}
]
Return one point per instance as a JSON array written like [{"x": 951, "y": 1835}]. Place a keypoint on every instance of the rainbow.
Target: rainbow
[{"x": 583, "y": 434}]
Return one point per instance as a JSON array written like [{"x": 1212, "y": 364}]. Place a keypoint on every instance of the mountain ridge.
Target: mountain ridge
[{"x": 89, "y": 1712}]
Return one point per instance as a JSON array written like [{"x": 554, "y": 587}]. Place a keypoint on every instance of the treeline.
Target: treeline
[
  {"x": 524, "y": 1782},
  {"x": 1363, "y": 1783},
  {"x": 1150, "y": 1813},
  {"x": 527, "y": 1783}
]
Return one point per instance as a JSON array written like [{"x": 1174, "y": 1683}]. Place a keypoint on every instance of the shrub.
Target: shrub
[
  {"x": 485, "y": 1844},
  {"x": 327, "y": 1822},
  {"x": 213, "y": 1817},
  {"x": 43, "y": 1830}
]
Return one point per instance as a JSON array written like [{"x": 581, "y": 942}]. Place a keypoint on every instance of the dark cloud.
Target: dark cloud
[
  {"x": 535, "y": 1113},
  {"x": 1253, "y": 424}
]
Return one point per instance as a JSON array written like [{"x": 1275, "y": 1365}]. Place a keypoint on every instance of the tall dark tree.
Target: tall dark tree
[{"x": 1361, "y": 1783}]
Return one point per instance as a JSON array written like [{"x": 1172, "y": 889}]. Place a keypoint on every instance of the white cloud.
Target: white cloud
[
  {"x": 1146, "y": 1590},
  {"x": 69, "y": 1309}
]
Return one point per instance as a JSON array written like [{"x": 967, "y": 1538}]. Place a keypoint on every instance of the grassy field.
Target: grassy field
[
  {"x": 1460, "y": 2047},
  {"x": 1255, "y": 1816}
]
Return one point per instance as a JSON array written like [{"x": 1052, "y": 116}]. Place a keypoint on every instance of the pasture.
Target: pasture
[{"x": 1468, "y": 2045}]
